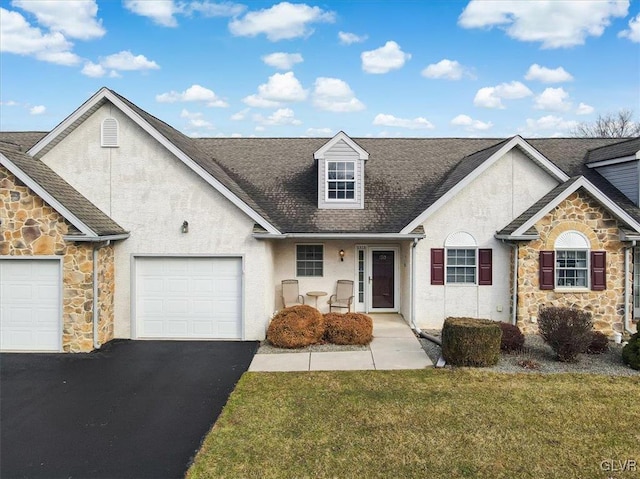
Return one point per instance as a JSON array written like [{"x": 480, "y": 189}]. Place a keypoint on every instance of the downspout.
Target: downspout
[
  {"x": 96, "y": 312},
  {"x": 627, "y": 321},
  {"x": 514, "y": 287},
  {"x": 412, "y": 306}
]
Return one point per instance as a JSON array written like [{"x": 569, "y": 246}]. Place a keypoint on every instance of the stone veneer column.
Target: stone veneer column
[{"x": 582, "y": 213}]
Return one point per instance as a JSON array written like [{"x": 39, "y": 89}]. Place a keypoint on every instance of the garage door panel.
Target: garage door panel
[
  {"x": 197, "y": 297},
  {"x": 30, "y": 306}
]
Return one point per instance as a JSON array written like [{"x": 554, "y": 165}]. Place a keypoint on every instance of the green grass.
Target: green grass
[{"x": 424, "y": 424}]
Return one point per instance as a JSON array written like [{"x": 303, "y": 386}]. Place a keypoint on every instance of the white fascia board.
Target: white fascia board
[
  {"x": 582, "y": 182},
  {"x": 516, "y": 238},
  {"x": 515, "y": 141},
  {"x": 104, "y": 93},
  {"x": 343, "y": 236},
  {"x": 95, "y": 239},
  {"x": 341, "y": 135},
  {"x": 613, "y": 161},
  {"x": 44, "y": 194}
]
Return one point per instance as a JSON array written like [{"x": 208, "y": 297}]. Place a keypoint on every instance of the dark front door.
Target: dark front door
[{"x": 382, "y": 277}]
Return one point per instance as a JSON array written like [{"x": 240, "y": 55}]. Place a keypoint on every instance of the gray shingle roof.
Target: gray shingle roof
[
  {"x": 62, "y": 191},
  {"x": 277, "y": 177},
  {"x": 610, "y": 152}
]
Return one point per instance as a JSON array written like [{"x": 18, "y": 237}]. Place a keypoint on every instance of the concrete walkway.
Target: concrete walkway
[{"x": 394, "y": 346}]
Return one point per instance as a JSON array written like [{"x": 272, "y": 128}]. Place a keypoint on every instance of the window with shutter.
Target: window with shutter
[
  {"x": 573, "y": 262},
  {"x": 109, "y": 133}
]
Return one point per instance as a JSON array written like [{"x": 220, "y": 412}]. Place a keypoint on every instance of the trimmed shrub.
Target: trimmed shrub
[
  {"x": 566, "y": 330},
  {"x": 471, "y": 342},
  {"x": 296, "y": 327},
  {"x": 512, "y": 338},
  {"x": 631, "y": 352},
  {"x": 350, "y": 328},
  {"x": 599, "y": 343}
]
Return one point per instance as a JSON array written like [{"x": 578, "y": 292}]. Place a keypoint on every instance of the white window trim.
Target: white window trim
[
  {"x": 446, "y": 265},
  {"x": 572, "y": 241},
  {"x": 355, "y": 181},
  {"x": 296, "y": 259}
]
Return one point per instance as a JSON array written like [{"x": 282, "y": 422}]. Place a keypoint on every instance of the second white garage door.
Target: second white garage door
[{"x": 188, "y": 297}]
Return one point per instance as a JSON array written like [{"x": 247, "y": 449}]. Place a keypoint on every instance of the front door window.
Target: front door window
[{"x": 382, "y": 276}]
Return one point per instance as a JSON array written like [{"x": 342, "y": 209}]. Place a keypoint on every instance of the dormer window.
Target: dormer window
[
  {"x": 341, "y": 164},
  {"x": 341, "y": 180}
]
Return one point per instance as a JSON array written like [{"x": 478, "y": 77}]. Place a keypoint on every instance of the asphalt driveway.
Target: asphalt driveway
[{"x": 134, "y": 409}]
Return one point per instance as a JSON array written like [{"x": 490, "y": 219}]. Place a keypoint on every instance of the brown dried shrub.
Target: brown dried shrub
[
  {"x": 349, "y": 328},
  {"x": 296, "y": 327}
]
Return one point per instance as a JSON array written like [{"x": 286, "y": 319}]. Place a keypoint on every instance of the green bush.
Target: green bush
[
  {"x": 599, "y": 343},
  {"x": 296, "y": 327},
  {"x": 471, "y": 342},
  {"x": 349, "y": 328},
  {"x": 566, "y": 330},
  {"x": 631, "y": 352},
  {"x": 512, "y": 338}
]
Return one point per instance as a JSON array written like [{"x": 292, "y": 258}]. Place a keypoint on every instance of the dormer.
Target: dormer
[
  {"x": 341, "y": 173},
  {"x": 620, "y": 164}
]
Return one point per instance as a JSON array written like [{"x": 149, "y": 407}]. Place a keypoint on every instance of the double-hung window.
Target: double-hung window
[
  {"x": 461, "y": 266},
  {"x": 309, "y": 260},
  {"x": 572, "y": 268},
  {"x": 461, "y": 262},
  {"x": 341, "y": 180}
]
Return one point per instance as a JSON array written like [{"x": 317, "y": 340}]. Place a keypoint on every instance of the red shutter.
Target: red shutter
[
  {"x": 598, "y": 270},
  {"x": 485, "y": 267},
  {"x": 547, "y": 266},
  {"x": 437, "y": 266}
]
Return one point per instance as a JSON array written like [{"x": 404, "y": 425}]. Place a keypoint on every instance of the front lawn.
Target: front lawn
[{"x": 425, "y": 424}]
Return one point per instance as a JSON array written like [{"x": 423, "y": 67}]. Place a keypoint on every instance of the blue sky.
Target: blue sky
[{"x": 369, "y": 68}]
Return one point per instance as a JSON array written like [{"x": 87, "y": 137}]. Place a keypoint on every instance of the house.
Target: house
[{"x": 193, "y": 236}]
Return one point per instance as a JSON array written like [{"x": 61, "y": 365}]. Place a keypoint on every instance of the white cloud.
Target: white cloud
[
  {"x": 555, "y": 24},
  {"x": 75, "y": 19},
  {"x": 241, "y": 115},
  {"x": 283, "y": 21},
  {"x": 445, "y": 69},
  {"x": 281, "y": 87},
  {"x": 547, "y": 75},
  {"x": 492, "y": 96},
  {"x": 333, "y": 94},
  {"x": 633, "y": 33},
  {"x": 384, "y": 59},
  {"x": 347, "y": 38},
  {"x": 196, "y": 120},
  {"x": 419, "y": 123},
  {"x": 584, "y": 109},
  {"x": 195, "y": 93},
  {"x": 552, "y": 99},
  {"x": 211, "y": 9},
  {"x": 127, "y": 61},
  {"x": 545, "y": 124},
  {"x": 37, "y": 110},
  {"x": 470, "y": 124},
  {"x": 282, "y": 61},
  {"x": 19, "y": 37},
  {"x": 9, "y": 103},
  {"x": 282, "y": 116},
  {"x": 260, "y": 128},
  {"x": 159, "y": 11},
  {"x": 93, "y": 70},
  {"x": 319, "y": 131}
]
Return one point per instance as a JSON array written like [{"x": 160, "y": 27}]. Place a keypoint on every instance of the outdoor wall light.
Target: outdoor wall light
[
  {"x": 185, "y": 226},
  {"x": 341, "y": 253}
]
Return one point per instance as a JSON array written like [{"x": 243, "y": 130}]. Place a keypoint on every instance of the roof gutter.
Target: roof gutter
[
  {"x": 95, "y": 239},
  {"x": 342, "y": 236},
  {"x": 517, "y": 237}
]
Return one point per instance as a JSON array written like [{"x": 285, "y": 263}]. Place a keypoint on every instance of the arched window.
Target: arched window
[
  {"x": 461, "y": 258},
  {"x": 572, "y": 260},
  {"x": 109, "y": 133}
]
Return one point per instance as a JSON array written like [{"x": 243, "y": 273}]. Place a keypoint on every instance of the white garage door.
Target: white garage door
[
  {"x": 194, "y": 297},
  {"x": 30, "y": 305}
]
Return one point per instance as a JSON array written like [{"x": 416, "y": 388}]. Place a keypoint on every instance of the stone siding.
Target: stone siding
[
  {"x": 579, "y": 212},
  {"x": 30, "y": 227}
]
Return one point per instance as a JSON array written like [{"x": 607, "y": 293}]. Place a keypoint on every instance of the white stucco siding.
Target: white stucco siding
[
  {"x": 150, "y": 192},
  {"x": 486, "y": 205}
]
